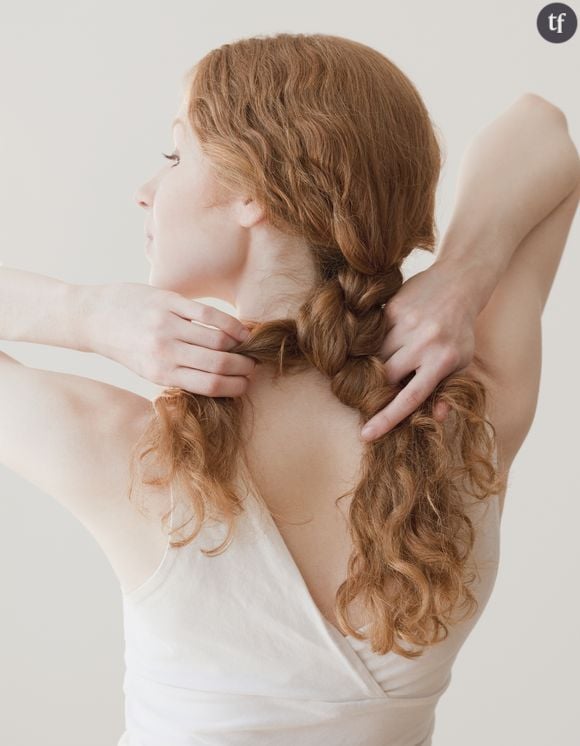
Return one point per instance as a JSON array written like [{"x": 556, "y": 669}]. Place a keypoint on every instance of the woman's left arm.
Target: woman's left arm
[
  {"x": 42, "y": 309},
  {"x": 71, "y": 435},
  {"x": 145, "y": 328}
]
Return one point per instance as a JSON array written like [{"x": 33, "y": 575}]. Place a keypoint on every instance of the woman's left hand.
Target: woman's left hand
[
  {"x": 431, "y": 331},
  {"x": 167, "y": 338}
]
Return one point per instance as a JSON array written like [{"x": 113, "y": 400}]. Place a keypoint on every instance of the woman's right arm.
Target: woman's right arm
[
  {"x": 508, "y": 330},
  {"x": 516, "y": 173}
]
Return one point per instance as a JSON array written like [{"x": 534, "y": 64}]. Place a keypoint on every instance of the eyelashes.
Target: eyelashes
[{"x": 171, "y": 157}]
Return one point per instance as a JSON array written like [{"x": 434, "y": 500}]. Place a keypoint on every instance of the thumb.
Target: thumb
[{"x": 441, "y": 410}]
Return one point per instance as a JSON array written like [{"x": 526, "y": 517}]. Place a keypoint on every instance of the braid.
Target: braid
[{"x": 341, "y": 327}]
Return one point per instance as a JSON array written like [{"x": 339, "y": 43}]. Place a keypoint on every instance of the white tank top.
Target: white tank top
[{"x": 231, "y": 650}]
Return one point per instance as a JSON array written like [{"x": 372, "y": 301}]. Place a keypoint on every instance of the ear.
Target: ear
[{"x": 250, "y": 212}]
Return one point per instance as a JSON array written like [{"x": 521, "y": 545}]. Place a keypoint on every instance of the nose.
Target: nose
[{"x": 144, "y": 196}]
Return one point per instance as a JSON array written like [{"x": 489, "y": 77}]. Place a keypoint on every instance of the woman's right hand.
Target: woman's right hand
[
  {"x": 160, "y": 335},
  {"x": 431, "y": 322}
]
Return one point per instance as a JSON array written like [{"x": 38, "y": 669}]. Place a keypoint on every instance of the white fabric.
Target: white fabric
[{"x": 231, "y": 650}]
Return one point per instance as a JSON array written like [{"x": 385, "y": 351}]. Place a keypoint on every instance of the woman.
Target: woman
[{"x": 309, "y": 586}]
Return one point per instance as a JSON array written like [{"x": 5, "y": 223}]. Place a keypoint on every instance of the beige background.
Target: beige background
[{"x": 88, "y": 91}]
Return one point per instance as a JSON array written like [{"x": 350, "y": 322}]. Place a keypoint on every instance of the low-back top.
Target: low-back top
[{"x": 232, "y": 649}]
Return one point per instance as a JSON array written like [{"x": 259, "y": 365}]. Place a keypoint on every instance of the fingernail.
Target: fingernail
[
  {"x": 244, "y": 334},
  {"x": 368, "y": 431}
]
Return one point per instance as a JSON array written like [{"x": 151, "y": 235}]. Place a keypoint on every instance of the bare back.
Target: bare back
[{"x": 304, "y": 450}]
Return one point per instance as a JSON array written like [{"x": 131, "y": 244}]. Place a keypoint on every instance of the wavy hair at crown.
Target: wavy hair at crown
[{"x": 336, "y": 144}]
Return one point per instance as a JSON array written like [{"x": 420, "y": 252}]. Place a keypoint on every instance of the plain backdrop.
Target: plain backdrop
[{"x": 87, "y": 94}]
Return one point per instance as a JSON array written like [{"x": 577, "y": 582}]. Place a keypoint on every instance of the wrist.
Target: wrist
[
  {"x": 85, "y": 303},
  {"x": 471, "y": 274},
  {"x": 475, "y": 255}
]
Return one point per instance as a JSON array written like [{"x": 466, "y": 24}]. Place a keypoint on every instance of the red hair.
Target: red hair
[{"x": 336, "y": 144}]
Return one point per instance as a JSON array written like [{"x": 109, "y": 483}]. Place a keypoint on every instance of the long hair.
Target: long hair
[{"x": 335, "y": 143}]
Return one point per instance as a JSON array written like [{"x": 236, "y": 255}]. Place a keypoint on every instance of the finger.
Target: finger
[
  {"x": 406, "y": 402},
  {"x": 397, "y": 369},
  {"x": 390, "y": 343},
  {"x": 390, "y": 315},
  {"x": 400, "y": 364},
  {"x": 193, "y": 310},
  {"x": 441, "y": 410},
  {"x": 213, "y": 361},
  {"x": 208, "y": 384},
  {"x": 194, "y": 333}
]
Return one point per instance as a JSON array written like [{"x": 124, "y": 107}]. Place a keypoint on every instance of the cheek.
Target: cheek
[
  {"x": 198, "y": 251},
  {"x": 175, "y": 210}
]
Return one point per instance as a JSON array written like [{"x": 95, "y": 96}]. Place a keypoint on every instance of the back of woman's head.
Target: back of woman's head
[{"x": 336, "y": 145}]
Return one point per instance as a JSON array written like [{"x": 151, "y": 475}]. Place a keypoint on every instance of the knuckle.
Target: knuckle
[
  {"x": 413, "y": 398},
  {"x": 220, "y": 364},
  {"x": 204, "y": 313},
  {"x": 199, "y": 383},
  {"x": 157, "y": 320},
  {"x": 242, "y": 386},
  {"x": 157, "y": 346},
  {"x": 391, "y": 308},
  {"x": 223, "y": 340},
  {"x": 413, "y": 318},
  {"x": 157, "y": 335},
  {"x": 450, "y": 356},
  {"x": 192, "y": 381},
  {"x": 433, "y": 329},
  {"x": 390, "y": 376},
  {"x": 158, "y": 373},
  {"x": 213, "y": 386}
]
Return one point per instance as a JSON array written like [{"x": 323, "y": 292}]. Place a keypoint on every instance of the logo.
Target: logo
[{"x": 557, "y": 22}]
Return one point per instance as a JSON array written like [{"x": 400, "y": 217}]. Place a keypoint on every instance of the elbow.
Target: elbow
[
  {"x": 570, "y": 158},
  {"x": 534, "y": 99}
]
